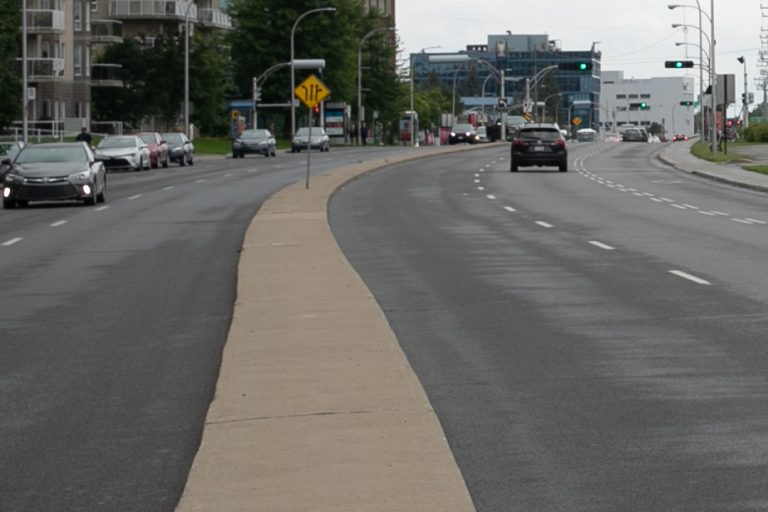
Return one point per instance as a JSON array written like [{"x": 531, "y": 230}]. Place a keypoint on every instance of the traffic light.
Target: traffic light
[
  {"x": 574, "y": 66},
  {"x": 744, "y": 98},
  {"x": 686, "y": 103},
  {"x": 678, "y": 64},
  {"x": 639, "y": 106},
  {"x": 643, "y": 105},
  {"x": 316, "y": 109}
]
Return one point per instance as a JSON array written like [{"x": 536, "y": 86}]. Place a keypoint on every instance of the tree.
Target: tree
[
  {"x": 10, "y": 82},
  {"x": 261, "y": 39}
]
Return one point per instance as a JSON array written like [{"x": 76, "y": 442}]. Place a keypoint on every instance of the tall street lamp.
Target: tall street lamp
[
  {"x": 24, "y": 74},
  {"x": 745, "y": 101},
  {"x": 360, "y": 79},
  {"x": 293, "y": 68},
  {"x": 186, "y": 67},
  {"x": 712, "y": 73}
]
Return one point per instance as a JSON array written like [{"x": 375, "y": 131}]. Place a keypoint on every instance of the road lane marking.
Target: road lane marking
[
  {"x": 742, "y": 221},
  {"x": 656, "y": 199},
  {"x": 200, "y": 181},
  {"x": 544, "y": 224},
  {"x": 723, "y": 214},
  {"x": 169, "y": 188},
  {"x": 510, "y": 209},
  {"x": 101, "y": 208},
  {"x": 690, "y": 277},
  {"x": 710, "y": 214},
  {"x": 58, "y": 223},
  {"x": 678, "y": 206},
  {"x": 756, "y": 221},
  {"x": 477, "y": 181},
  {"x": 480, "y": 188},
  {"x": 132, "y": 198},
  {"x": 690, "y": 206},
  {"x": 491, "y": 196},
  {"x": 12, "y": 241},
  {"x": 601, "y": 245}
]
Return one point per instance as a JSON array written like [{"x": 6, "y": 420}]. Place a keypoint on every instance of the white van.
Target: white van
[{"x": 586, "y": 135}]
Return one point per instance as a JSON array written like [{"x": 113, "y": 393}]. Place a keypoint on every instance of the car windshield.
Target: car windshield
[
  {"x": 173, "y": 138},
  {"x": 254, "y": 134},
  {"x": 49, "y": 154},
  {"x": 149, "y": 138},
  {"x": 540, "y": 134},
  {"x": 117, "y": 142},
  {"x": 463, "y": 128},
  {"x": 9, "y": 150},
  {"x": 304, "y": 132}
]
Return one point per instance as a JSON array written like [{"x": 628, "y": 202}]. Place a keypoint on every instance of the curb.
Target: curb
[
  {"x": 316, "y": 406},
  {"x": 712, "y": 176}
]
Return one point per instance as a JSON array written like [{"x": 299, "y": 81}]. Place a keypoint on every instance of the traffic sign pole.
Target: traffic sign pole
[{"x": 309, "y": 146}]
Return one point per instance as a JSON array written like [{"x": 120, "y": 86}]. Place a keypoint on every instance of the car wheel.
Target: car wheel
[
  {"x": 165, "y": 162},
  {"x": 513, "y": 166},
  {"x": 191, "y": 159},
  {"x": 9, "y": 204},
  {"x": 183, "y": 160},
  {"x": 91, "y": 201},
  {"x": 267, "y": 154},
  {"x": 564, "y": 167},
  {"x": 102, "y": 196},
  {"x": 274, "y": 152},
  {"x": 146, "y": 164},
  {"x": 22, "y": 203}
]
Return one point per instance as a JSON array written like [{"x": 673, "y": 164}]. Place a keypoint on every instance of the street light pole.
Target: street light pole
[
  {"x": 186, "y": 68},
  {"x": 24, "y": 74},
  {"x": 293, "y": 68},
  {"x": 360, "y": 79},
  {"x": 745, "y": 102}
]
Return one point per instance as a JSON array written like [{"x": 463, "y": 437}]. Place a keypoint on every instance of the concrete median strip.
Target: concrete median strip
[{"x": 316, "y": 408}]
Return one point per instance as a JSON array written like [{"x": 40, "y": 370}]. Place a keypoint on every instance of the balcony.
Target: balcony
[
  {"x": 169, "y": 10},
  {"x": 45, "y": 21},
  {"x": 214, "y": 18},
  {"x": 106, "y": 31},
  {"x": 43, "y": 70},
  {"x": 106, "y": 75}
]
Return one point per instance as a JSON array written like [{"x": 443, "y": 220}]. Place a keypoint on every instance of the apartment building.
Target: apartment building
[{"x": 64, "y": 38}]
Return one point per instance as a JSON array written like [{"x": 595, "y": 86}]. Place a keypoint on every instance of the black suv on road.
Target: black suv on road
[{"x": 539, "y": 144}]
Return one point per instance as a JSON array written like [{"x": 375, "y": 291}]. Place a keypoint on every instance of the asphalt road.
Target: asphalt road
[
  {"x": 112, "y": 323},
  {"x": 591, "y": 341}
]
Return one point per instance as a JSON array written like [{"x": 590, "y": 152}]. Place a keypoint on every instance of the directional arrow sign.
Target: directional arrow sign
[{"x": 311, "y": 91}]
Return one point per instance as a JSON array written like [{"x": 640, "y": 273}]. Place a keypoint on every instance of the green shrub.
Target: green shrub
[{"x": 756, "y": 133}]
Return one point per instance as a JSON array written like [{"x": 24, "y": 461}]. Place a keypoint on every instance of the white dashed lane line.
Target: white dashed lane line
[
  {"x": 12, "y": 241},
  {"x": 58, "y": 223},
  {"x": 101, "y": 208},
  {"x": 689, "y": 277},
  {"x": 544, "y": 224},
  {"x": 510, "y": 209},
  {"x": 133, "y": 198},
  {"x": 169, "y": 188},
  {"x": 200, "y": 181},
  {"x": 601, "y": 245}
]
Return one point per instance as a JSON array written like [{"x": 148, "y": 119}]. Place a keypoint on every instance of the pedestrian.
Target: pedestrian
[
  {"x": 364, "y": 134},
  {"x": 84, "y": 136}
]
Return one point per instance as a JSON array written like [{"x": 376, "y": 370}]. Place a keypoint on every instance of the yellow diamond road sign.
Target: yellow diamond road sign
[{"x": 311, "y": 91}]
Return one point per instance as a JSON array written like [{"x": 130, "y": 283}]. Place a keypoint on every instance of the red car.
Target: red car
[
  {"x": 679, "y": 138},
  {"x": 158, "y": 148}
]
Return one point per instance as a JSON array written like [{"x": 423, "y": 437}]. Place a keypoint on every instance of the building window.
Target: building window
[
  {"x": 645, "y": 96},
  {"x": 78, "y": 60},
  {"x": 621, "y": 96},
  {"x": 78, "y": 15},
  {"x": 87, "y": 60},
  {"x": 633, "y": 96},
  {"x": 87, "y": 19}
]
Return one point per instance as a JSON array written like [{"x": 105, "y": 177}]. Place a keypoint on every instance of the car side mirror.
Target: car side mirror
[{"x": 6, "y": 161}]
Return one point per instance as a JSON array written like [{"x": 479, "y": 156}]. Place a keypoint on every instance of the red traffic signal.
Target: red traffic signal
[{"x": 316, "y": 109}]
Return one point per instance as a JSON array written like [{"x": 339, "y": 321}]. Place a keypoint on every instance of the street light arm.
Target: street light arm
[
  {"x": 675, "y": 6},
  {"x": 684, "y": 25}
]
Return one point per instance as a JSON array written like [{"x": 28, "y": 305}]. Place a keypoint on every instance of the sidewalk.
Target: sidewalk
[
  {"x": 678, "y": 155},
  {"x": 316, "y": 407}
]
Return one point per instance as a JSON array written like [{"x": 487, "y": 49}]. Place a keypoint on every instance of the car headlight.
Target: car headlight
[
  {"x": 13, "y": 178},
  {"x": 80, "y": 176},
  {"x": 453, "y": 134},
  {"x": 237, "y": 142}
]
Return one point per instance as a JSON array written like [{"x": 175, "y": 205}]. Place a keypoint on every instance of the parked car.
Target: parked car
[
  {"x": 539, "y": 144},
  {"x": 56, "y": 171},
  {"x": 320, "y": 140},
  {"x": 679, "y": 137},
  {"x": 123, "y": 152},
  {"x": 8, "y": 150},
  {"x": 180, "y": 148},
  {"x": 158, "y": 148},
  {"x": 259, "y": 141},
  {"x": 463, "y": 132}
]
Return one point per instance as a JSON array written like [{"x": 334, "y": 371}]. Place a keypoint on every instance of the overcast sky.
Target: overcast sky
[{"x": 635, "y": 35}]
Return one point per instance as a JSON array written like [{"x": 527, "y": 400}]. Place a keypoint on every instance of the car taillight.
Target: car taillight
[
  {"x": 560, "y": 142},
  {"x": 518, "y": 143}
]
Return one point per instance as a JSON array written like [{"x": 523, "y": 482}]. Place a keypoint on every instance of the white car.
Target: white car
[
  {"x": 320, "y": 140},
  {"x": 124, "y": 152}
]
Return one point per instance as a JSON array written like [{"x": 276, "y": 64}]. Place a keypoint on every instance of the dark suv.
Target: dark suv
[{"x": 539, "y": 144}]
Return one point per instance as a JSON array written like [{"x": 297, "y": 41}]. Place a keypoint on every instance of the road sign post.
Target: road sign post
[{"x": 311, "y": 92}]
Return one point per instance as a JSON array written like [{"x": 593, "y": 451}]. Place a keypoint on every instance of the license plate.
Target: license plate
[{"x": 538, "y": 148}]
